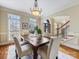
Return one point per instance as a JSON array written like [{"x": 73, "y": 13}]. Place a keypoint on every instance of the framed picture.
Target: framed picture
[{"x": 24, "y": 25}]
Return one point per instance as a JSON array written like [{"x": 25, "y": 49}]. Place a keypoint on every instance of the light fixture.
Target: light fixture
[{"x": 35, "y": 11}]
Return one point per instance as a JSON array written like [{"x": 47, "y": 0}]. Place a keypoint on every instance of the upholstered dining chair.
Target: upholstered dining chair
[
  {"x": 50, "y": 51},
  {"x": 21, "y": 50},
  {"x": 22, "y": 41}
]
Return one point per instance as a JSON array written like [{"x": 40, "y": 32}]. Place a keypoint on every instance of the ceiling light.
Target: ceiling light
[{"x": 35, "y": 11}]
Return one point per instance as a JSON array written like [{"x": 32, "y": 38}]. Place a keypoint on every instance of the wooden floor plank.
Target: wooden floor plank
[{"x": 3, "y": 52}]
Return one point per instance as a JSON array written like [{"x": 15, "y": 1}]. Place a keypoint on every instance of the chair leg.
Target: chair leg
[
  {"x": 16, "y": 54},
  {"x": 19, "y": 58},
  {"x": 57, "y": 57}
]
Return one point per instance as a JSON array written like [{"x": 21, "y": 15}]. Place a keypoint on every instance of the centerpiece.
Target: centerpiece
[{"x": 39, "y": 33}]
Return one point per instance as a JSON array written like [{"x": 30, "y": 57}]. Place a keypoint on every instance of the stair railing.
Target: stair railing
[{"x": 64, "y": 25}]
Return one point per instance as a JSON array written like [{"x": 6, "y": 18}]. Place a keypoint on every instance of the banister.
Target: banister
[{"x": 63, "y": 25}]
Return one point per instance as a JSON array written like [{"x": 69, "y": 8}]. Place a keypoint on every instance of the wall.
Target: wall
[
  {"x": 0, "y": 24},
  {"x": 73, "y": 12},
  {"x": 4, "y": 21}
]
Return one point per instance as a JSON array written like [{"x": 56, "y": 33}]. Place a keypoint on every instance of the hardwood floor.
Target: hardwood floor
[
  {"x": 3, "y": 51},
  {"x": 70, "y": 51}
]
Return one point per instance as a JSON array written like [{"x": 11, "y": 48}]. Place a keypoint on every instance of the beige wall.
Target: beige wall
[
  {"x": 0, "y": 19},
  {"x": 4, "y": 21},
  {"x": 73, "y": 12}
]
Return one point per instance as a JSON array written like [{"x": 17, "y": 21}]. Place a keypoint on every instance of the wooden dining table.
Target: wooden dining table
[{"x": 36, "y": 43}]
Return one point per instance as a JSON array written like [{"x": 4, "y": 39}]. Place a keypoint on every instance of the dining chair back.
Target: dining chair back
[
  {"x": 54, "y": 48},
  {"x": 17, "y": 45},
  {"x": 51, "y": 50},
  {"x": 23, "y": 50},
  {"x": 49, "y": 46}
]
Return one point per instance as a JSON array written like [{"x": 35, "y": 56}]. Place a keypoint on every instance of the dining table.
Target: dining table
[{"x": 36, "y": 43}]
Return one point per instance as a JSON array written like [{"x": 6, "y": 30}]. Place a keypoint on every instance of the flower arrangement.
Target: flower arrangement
[{"x": 38, "y": 30}]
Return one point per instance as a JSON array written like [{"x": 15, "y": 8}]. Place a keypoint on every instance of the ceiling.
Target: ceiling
[{"x": 48, "y": 6}]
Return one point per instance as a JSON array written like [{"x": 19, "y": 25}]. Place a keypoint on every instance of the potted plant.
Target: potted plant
[{"x": 39, "y": 32}]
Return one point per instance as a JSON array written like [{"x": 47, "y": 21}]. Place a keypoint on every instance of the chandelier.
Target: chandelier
[{"x": 35, "y": 11}]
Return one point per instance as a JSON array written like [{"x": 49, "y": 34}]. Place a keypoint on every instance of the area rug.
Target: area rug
[{"x": 11, "y": 54}]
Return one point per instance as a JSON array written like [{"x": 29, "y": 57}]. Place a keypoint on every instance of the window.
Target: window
[
  {"x": 14, "y": 25},
  {"x": 32, "y": 24},
  {"x": 47, "y": 26}
]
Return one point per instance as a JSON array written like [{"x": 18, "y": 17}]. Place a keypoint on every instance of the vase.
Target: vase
[{"x": 39, "y": 37}]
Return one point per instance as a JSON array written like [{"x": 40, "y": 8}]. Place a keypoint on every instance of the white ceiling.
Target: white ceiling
[{"x": 48, "y": 6}]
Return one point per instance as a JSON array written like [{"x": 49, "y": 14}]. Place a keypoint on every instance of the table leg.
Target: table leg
[{"x": 35, "y": 54}]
